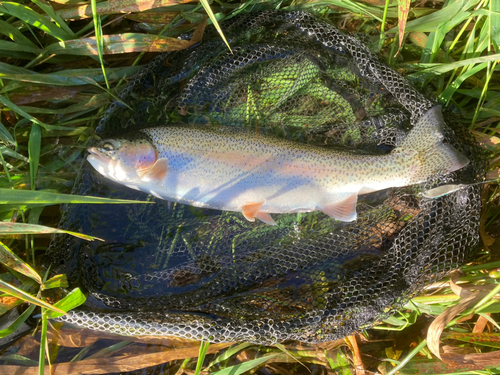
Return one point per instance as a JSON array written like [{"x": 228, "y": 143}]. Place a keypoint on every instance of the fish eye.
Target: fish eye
[{"x": 108, "y": 146}]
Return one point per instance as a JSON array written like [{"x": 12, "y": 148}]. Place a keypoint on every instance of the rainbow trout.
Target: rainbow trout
[{"x": 260, "y": 175}]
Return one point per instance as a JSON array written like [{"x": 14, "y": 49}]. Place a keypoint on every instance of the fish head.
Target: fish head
[{"x": 122, "y": 160}]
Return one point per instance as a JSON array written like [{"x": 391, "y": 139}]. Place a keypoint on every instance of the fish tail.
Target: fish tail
[{"x": 436, "y": 157}]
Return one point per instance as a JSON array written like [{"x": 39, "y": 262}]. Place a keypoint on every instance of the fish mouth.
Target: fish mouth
[
  {"x": 93, "y": 151},
  {"x": 97, "y": 159}
]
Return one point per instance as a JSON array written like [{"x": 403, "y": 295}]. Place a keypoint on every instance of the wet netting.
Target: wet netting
[{"x": 172, "y": 269}]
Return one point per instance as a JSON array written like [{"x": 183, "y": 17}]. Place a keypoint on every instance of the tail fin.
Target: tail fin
[{"x": 427, "y": 139}]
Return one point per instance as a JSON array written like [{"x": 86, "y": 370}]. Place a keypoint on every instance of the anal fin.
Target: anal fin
[
  {"x": 266, "y": 218},
  {"x": 251, "y": 210},
  {"x": 344, "y": 210}
]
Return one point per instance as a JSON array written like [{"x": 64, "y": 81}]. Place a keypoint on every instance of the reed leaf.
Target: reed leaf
[
  {"x": 21, "y": 228},
  {"x": 11, "y": 260},
  {"x": 33, "y": 18},
  {"x": 18, "y": 293}
]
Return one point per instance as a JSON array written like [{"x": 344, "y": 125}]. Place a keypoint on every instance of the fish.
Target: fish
[{"x": 260, "y": 175}]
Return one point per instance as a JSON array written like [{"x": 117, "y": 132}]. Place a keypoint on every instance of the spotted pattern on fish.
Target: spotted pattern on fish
[{"x": 242, "y": 171}]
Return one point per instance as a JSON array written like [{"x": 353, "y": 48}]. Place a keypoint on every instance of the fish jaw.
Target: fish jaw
[{"x": 110, "y": 168}]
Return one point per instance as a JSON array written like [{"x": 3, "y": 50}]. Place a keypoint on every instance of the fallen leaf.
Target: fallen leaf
[
  {"x": 472, "y": 362},
  {"x": 491, "y": 340},
  {"x": 121, "y": 363},
  {"x": 81, "y": 337},
  {"x": 358, "y": 362},
  {"x": 481, "y": 324},
  {"x": 126, "y": 43},
  {"x": 403, "y": 10},
  {"x": 11, "y": 260},
  {"x": 152, "y": 17},
  {"x": 8, "y": 303},
  {"x": 458, "y": 349},
  {"x": 116, "y": 7},
  {"x": 469, "y": 299}
]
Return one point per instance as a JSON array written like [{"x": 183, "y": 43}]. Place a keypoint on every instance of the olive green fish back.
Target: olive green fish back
[{"x": 171, "y": 269}]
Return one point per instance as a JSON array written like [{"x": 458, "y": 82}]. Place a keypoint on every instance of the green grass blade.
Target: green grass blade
[
  {"x": 94, "y": 102},
  {"x": 432, "y": 21},
  {"x": 27, "y": 197},
  {"x": 444, "y": 68},
  {"x": 490, "y": 319},
  {"x": 16, "y": 47},
  {"x": 74, "y": 299},
  {"x": 410, "y": 355},
  {"x": 6, "y": 102},
  {"x": 353, "y": 6},
  {"x": 382, "y": 26},
  {"x": 483, "y": 42},
  {"x": 246, "y": 366},
  {"x": 11, "y": 260},
  {"x": 81, "y": 354},
  {"x": 16, "y": 73},
  {"x": 487, "y": 298},
  {"x": 7, "y": 228},
  {"x": 17, "y": 323},
  {"x": 18, "y": 293},
  {"x": 98, "y": 38},
  {"x": 47, "y": 8},
  {"x": 22, "y": 360},
  {"x": 13, "y": 33},
  {"x": 201, "y": 357},
  {"x": 69, "y": 77},
  {"x": 480, "y": 267},
  {"x": 290, "y": 355},
  {"x": 33, "y": 18},
  {"x": 433, "y": 43},
  {"x": 5, "y": 167},
  {"x": 212, "y": 17},
  {"x": 494, "y": 24},
  {"x": 451, "y": 89},
  {"x": 34, "y": 146},
  {"x": 110, "y": 349},
  {"x": 228, "y": 353},
  {"x": 5, "y": 136},
  {"x": 7, "y": 151},
  {"x": 57, "y": 281},
  {"x": 43, "y": 343},
  {"x": 339, "y": 362}
]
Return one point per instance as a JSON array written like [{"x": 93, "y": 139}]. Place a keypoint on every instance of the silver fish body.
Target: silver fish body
[{"x": 260, "y": 175}]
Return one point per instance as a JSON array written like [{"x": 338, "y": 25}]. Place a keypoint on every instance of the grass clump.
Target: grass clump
[{"x": 62, "y": 62}]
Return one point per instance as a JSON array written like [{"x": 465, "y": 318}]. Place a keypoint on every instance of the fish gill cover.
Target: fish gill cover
[{"x": 171, "y": 269}]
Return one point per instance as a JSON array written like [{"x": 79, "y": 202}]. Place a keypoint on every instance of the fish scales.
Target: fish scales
[
  {"x": 229, "y": 159},
  {"x": 259, "y": 175}
]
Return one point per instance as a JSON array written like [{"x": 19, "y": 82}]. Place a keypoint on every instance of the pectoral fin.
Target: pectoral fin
[
  {"x": 344, "y": 210},
  {"x": 158, "y": 171},
  {"x": 251, "y": 210}
]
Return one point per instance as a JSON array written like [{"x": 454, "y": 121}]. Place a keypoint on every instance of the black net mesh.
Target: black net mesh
[{"x": 170, "y": 269}]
